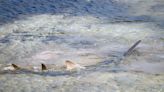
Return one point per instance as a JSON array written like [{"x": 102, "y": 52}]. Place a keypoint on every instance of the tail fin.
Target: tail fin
[{"x": 16, "y": 67}]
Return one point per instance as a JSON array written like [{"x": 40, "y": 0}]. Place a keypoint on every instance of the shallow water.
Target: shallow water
[{"x": 92, "y": 33}]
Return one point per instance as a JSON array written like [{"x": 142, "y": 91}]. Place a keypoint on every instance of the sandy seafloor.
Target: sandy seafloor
[{"x": 92, "y": 33}]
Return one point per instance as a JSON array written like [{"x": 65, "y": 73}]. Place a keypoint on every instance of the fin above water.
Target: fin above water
[
  {"x": 16, "y": 67},
  {"x": 71, "y": 65},
  {"x": 44, "y": 67}
]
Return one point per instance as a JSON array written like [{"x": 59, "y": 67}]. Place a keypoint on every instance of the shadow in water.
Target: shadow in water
[{"x": 44, "y": 73}]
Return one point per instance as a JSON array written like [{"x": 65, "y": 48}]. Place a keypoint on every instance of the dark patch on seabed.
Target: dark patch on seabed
[{"x": 12, "y": 10}]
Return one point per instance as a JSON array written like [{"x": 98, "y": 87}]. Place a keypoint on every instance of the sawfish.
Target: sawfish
[{"x": 67, "y": 66}]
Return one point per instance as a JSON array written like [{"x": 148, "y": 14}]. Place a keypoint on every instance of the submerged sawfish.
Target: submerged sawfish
[{"x": 68, "y": 65}]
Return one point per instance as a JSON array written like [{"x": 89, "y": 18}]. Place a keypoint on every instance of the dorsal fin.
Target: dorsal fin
[
  {"x": 70, "y": 65},
  {"x": 16, "y": 67},
  {"x": 44, "y": 67},
  {"x": 69, "y": 62}
]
